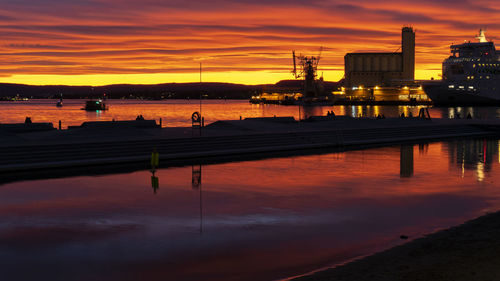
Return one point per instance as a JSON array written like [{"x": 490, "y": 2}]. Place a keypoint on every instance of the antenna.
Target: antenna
[
  {"x": 294, "y": 65},
  {"x": 200, "y": 91},
  {"x": 482, "y": 37}
]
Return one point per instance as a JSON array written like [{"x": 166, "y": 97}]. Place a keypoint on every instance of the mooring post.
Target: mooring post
[
  {"x": 160, "y": 122},
  {"x": 60, "y": 125}
]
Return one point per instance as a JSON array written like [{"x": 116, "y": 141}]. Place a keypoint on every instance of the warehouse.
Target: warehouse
[{"x": 382, "y": 69}]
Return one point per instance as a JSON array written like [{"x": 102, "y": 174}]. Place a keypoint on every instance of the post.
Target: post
[
  {"x": 60, "y": 125},
  {"x": 200, "y": 90},
  {"x": 160, "y": 122}
]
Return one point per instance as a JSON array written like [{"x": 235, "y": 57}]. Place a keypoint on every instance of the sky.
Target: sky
[{"x": 99, "y": 42}]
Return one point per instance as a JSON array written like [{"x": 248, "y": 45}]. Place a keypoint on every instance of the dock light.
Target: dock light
[
  {"x": 361, "y": 87},
  {"x": 451, "y": 86},
  {"x": 354, "y": 88},
  {"x": 377, "y": 87},
  {"x": 405, "y": 87}
]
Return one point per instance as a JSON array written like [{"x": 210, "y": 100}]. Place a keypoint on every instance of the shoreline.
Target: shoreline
[{"x": 464, "y": 252}]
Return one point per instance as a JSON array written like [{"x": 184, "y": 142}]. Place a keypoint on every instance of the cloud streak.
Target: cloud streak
[{"x": 93, "y": 37}]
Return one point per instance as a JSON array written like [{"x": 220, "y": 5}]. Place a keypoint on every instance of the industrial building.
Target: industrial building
[{"x": 382, "y": 69}]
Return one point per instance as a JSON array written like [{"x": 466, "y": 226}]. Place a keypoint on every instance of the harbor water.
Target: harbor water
[
  {"x": 263, "y": 219},
  {"x": 176, "y": 113}
]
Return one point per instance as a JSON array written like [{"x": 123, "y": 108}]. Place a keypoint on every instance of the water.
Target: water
[
  {"x": 254, "y": 220},
  {"x": 176, "y": 113}
]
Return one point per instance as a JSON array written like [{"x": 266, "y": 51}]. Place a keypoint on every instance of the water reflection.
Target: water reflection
[
  {"x": 282, "y": 216},
  {"x": 473, "y": 155},
  {"x": 423, "y": 148},
  {"x": 196, "y": 176},
  {"x": 176, "y": 113},
  {"x": 155, "y": 181},
  {"x": 464, "y": 112},
  {"x": 406, "y": 161},
  {"x": 196, "y": 185}
]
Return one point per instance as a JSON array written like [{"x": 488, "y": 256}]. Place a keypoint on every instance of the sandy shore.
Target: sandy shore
[{"x": 466, "y": 252}]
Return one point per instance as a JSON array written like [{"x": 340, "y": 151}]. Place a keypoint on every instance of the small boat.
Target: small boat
[
  {"x": 60, "y": 102},
  {"x": 95, "y": 105}
]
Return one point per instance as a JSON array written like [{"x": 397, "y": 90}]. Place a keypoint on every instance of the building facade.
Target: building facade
[{"x": 382, "y": 69}]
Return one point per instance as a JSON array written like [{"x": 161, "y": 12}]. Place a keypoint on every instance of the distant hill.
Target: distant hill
[{"x": 158, "y": 91}]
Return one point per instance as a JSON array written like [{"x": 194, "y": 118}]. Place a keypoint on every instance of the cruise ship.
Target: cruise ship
[{"x": 471, "y": 75}]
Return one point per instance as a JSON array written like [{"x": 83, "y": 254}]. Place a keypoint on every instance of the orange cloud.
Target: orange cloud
[{"x": 96, "y": 42}]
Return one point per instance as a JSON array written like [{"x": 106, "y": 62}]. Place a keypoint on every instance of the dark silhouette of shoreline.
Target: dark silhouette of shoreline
[{"x": 209, "y": 90}]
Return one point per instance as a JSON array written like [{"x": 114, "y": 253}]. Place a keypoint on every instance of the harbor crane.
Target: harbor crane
[{"x": 307, "y": 68}]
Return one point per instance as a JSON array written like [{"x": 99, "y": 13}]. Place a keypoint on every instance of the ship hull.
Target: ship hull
[{"x": 441, "y": 94}]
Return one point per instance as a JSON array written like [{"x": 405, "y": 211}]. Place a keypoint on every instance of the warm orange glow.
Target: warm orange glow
[{"x": 82, "y": 43}]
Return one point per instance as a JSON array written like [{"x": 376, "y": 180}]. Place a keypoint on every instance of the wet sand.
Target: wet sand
[{"x": 466, "y": 252}]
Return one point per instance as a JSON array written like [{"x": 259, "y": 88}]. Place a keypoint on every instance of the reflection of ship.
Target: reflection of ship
[
  {"x": 475, "y": 155},
  {"x": 471, "y": 75},
  {"x": 95, "y": 105}
]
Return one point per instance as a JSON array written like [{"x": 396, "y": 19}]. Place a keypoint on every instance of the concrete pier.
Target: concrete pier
[{"x": 128, "y": 142}]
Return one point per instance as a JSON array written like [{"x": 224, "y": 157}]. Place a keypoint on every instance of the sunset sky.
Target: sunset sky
[{"x": 97, "y": 42}]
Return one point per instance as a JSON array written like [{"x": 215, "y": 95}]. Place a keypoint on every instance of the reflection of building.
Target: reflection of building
[
  {"x": 381, "y": 69},
  {"x": 406, "y": 161}
]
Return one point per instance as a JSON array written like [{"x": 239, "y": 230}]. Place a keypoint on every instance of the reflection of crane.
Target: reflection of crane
[{"x": 309, "y": 71}]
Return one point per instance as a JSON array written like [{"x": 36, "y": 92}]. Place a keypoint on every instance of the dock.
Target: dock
[{"x": 107, "y": 143}]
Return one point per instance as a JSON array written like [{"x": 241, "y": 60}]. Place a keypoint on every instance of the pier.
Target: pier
[{"x": 106, "y": 143}]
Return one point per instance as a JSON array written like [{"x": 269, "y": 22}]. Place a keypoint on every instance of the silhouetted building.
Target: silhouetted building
[{"x": 382, "y": 69}]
